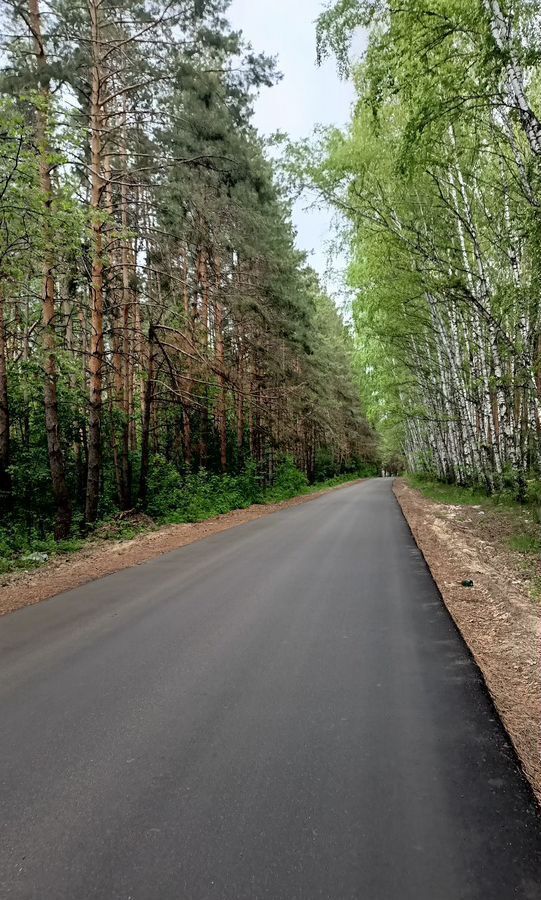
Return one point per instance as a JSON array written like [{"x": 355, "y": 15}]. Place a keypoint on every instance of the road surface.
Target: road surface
[{"x": 284, "y": 710}]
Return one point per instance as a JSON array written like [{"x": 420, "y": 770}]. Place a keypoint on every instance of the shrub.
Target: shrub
[
  {"x": 176, "y": 497},
  {"x": 533, "y": 498},
  {"x": 288, "y": 482}
]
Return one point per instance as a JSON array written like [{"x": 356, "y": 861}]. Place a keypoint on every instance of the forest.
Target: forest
[
  {"x": 437, "y": 178},
  {"x": 163, "y": 344}
]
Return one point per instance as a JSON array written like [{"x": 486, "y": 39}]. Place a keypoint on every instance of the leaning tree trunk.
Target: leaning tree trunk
[
  {"x": 515, "y": 77},
  {"x": 52, "y": 423}
]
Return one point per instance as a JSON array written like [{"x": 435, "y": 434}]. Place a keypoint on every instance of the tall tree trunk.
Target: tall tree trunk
[
  {"x": 203, "y": 284},
  {"x": 125, "y": 499},
  {"x": 120, "y": 339},
  {"x": 96, "y": 292},
  {"x": 240, "y": 403},
  {"x": 52, "y": 423},
  {"x": 190, "y": 346},
  {"x": 220, "y": 359},
  {"x": 115, "y": 390},
  {"x": 5, "y": 477},
  {"x": 148, "y": 395}
]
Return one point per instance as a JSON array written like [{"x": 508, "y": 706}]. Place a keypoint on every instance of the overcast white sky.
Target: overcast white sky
[{"x": 306, "y": 96}]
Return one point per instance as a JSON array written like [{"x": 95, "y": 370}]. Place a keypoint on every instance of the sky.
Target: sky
[{"x": 307, "y": 95}]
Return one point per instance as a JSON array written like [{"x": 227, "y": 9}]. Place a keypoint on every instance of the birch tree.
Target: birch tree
[{"x": 438, "y": 177}]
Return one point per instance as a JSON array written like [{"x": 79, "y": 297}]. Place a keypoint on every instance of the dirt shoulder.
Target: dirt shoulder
[
  {"x": 103, "y": 557},
  {"x": 499, "y": 616}
]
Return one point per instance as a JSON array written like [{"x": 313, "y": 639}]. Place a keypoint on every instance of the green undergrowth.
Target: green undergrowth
[
  {"x": 526, "y": 495},
  {"x": 451, "y": 494},
  {"x": 27, "y": 550},
  {"x": 525, "y": 543},
  {"x": 174, "y": 498},
  {"x": 503, "y": 504}
]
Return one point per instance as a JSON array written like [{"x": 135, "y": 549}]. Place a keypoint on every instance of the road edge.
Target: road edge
[
  {"x": 522, "y": 759},
  {"x": 71, "y": 571}
]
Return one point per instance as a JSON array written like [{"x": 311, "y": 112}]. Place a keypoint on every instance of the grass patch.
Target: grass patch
[
  {"x": 450, "y": 494},
  {"x": 535, "y": 589},
  {"x": 525, "y": 543},
  {"x": 23, "y": 551}
]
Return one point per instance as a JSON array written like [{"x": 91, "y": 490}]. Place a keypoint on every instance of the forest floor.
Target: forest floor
[
  {"x": 102, "y": 555},
  {"x": 493, "y": 549}
]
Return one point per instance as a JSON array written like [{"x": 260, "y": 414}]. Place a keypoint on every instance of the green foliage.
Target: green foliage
[
  {"x": 329, "y": 470},
  {"x": 215, "y": 341},
  {"x": 438, "y": 179},
  {"x": 521, "y": 519},
  {"x": 23, "y": 548},
  {"x": 288, "y": 482},
  {"x": 338, "y": 480},
  {"x": 192, "y": 497},
  {"x": 451, "y": 494},
  {"x": 325, "y": 465},
  {"x": 175, "y": 498}
]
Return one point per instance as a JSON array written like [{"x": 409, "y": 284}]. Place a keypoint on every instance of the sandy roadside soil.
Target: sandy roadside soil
[
  {"x": 103, "y": 557},
  {"x": 498, "y": 617}
]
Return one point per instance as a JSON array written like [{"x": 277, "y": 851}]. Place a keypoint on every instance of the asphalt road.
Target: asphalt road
[{"x": 284, "y": 710}]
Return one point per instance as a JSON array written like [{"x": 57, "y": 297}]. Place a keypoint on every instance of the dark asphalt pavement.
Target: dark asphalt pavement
[{"x": 284, "y": 710}]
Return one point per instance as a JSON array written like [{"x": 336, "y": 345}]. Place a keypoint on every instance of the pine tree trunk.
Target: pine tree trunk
[
  {"x": 96, "y": 291},
  {"x": 240, "y": 404},
  {"x": 115, "y": 390},
  {"x": 52, "y": 423},
  {"x": 189, "y": 341},
  {"x": 220, "y": 359},
  {"x": 148, "y": 395},
  {"x": 5, "y": 477},
  {"x": 204, "y": 413},
  {"x": 125, "y": 369}
]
